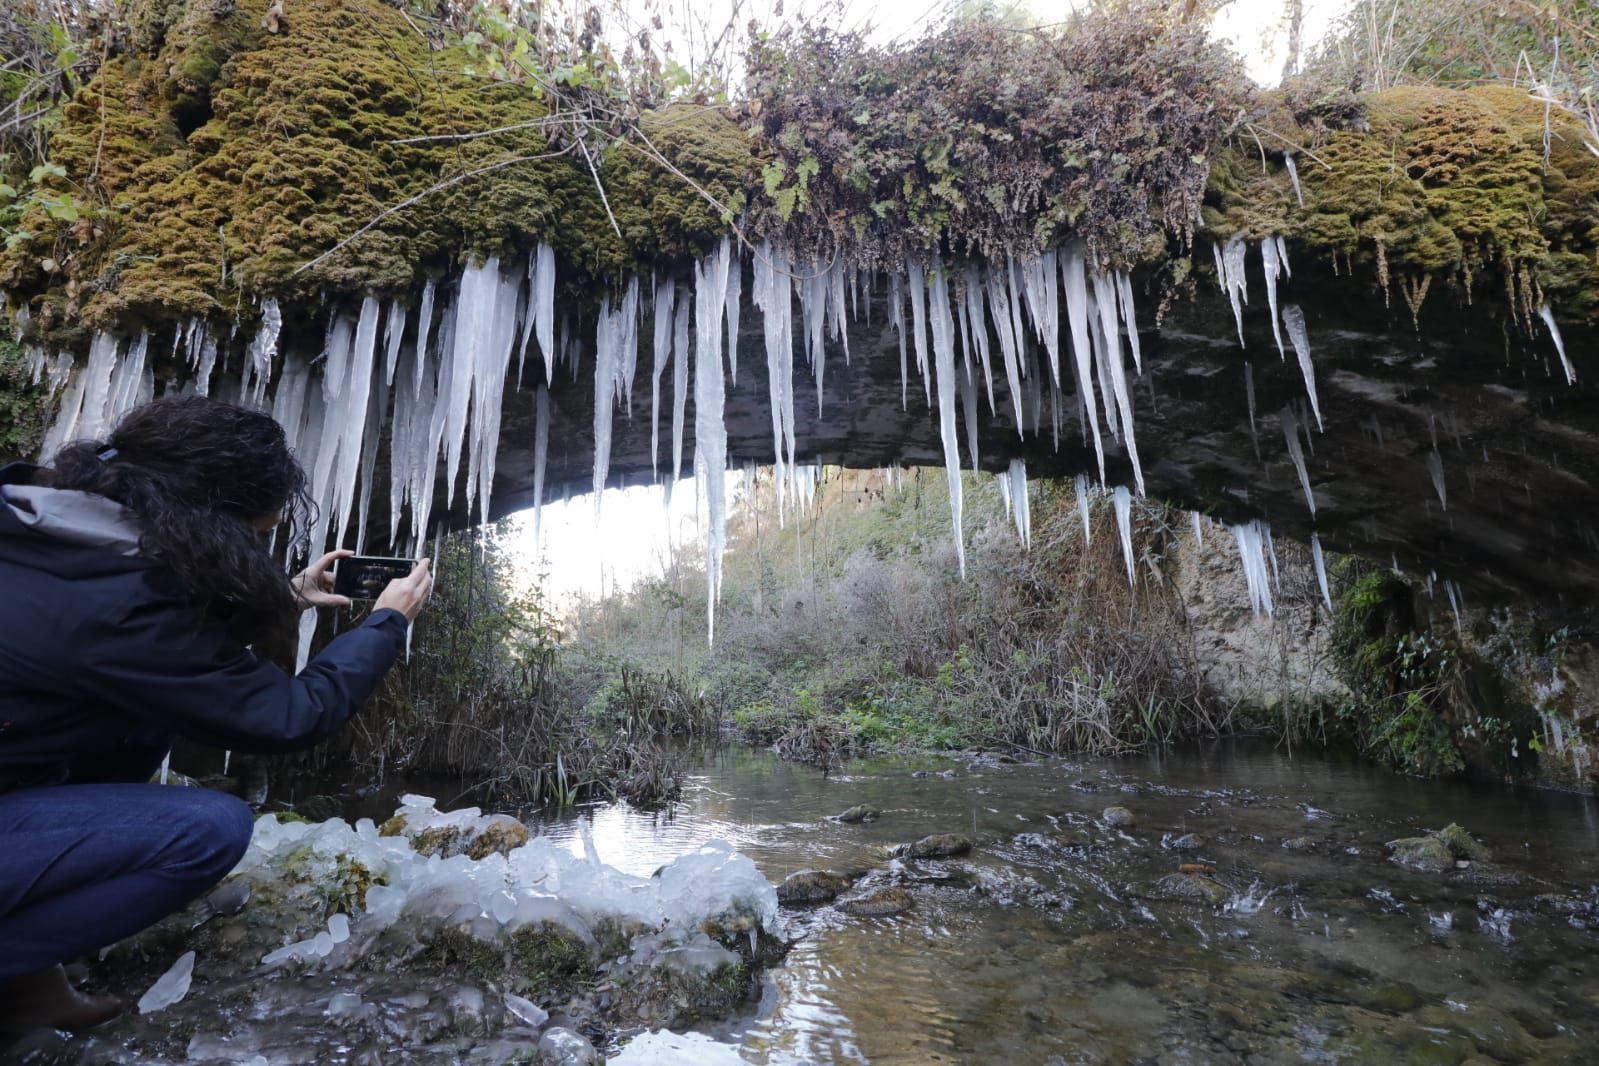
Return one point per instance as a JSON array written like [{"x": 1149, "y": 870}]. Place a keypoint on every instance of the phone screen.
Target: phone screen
[{"x": 364, "y": 577}]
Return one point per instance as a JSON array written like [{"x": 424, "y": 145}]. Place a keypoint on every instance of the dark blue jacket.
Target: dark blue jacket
[{"x": 100, "y": 655}]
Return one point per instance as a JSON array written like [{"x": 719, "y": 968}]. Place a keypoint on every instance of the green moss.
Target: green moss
[
  {"x": 24, "y": 407},
  {"x": 549, "y": 961},
  {"x": 1443, "y": 185}
]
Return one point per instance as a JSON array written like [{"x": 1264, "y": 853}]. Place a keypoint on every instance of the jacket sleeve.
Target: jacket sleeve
[{"x": 156, "y": 661}]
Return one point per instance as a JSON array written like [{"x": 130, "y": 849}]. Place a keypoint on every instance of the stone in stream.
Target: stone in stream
[
  {"x": 564, "y": 1047},
  {"x": 1187, "y": 842},
  {"x": 1119, "y": 817},
  {"x": 1192, "y": 888},
  {"x": 937, "y": 846},
  {"x": 884, "y": 903},
  {"x": 1422, "y": 853},
  {"x": 1461, "y": 845},
  {"x": 811, "y": 886},
  {"x": 860, "y": 813}
]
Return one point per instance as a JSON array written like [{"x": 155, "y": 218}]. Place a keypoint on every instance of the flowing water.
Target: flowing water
[
  {"x": 1047, "y": 944},
  {"x": 1057, "y": 939}
]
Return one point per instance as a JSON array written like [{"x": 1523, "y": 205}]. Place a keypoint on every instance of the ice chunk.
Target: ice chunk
[
  {"x": 524, "y": 1011},
  {"x": 1123, "y": 501},
  {"x": 344, "y": 1003},
  {"x": 170, "y": 987},
  {"x": 661, "y": 1047}
]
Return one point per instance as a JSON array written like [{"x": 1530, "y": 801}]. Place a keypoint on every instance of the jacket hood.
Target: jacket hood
[{"x": 64, "y": 531}]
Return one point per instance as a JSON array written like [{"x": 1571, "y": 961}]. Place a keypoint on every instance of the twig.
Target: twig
[
  {"x": 1258, "y": 130},
  {"x": 600, "y": 185}
]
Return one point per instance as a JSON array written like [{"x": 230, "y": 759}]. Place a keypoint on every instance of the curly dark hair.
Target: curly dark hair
[{"x": 198, "y": 474}]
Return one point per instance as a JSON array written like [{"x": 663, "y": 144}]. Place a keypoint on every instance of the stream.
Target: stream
[{"x": 1059, "y": 938}]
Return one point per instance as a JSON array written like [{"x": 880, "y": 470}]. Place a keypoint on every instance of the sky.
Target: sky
[{"x": 582, "y": 555}]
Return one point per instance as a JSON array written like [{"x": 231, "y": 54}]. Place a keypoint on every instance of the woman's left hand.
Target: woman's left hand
[{"x": 313, "y": 586}]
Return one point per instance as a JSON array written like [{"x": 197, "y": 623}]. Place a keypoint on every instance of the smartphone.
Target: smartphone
[{"x": 364, "y": 577}]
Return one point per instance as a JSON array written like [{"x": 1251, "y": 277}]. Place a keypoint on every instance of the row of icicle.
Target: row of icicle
[{"x": 1020, "y": 320}]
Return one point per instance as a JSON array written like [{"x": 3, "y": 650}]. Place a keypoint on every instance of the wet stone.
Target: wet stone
[
  {"x": 1422, "y": 853},
  {"x": 563, "y": 1047},
  {"x": 1461, "y": 844},
  {"x": 1120, "y": 817},
  {"x": 1192, "y": 888},
  {"x": 1187, "y": 842},
  {"x": 861, "y": 813},
  {"x": 884, "y": 903},
  {"x": 811, "y": 886},
  {"x": 937, "y": 846},
  {"x": 1299, "y": 844}
]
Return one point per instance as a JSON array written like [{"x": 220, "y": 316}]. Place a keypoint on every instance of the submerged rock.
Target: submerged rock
[
  {"x": 1193, "y": 888},
  {"x": 1461, "y": 845},
  {"x": 937, "y": 846},
  {"x": 1120, "y": 817},
  {"x": 564, "y": 1047},
  {"x": 1422, "y": 853},
  {"x": 861, "y": 813},
  {"x": 1187, "y": 842},
  {"x": 811, "y": 886},
  {"x": 884, "y": 903}
]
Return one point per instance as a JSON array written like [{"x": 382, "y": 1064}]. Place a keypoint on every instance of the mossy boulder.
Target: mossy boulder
[
  {"x": 1422, "y": 853},
  {"x": 811, "y": 886}
]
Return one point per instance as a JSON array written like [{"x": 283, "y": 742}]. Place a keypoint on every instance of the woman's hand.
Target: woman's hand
[
  {"x": 313, "y": 586},
  {"x": 409, "y": 594}
]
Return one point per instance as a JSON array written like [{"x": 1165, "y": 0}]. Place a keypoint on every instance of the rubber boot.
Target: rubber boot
[{"x": 47, "y": 1000}]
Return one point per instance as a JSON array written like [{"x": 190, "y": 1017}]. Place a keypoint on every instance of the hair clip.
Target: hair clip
[{"x": 105, "y": 455}]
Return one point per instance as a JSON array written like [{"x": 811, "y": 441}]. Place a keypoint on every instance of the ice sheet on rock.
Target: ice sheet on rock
[
  {"x": 170, "y": 987},
  {"x": 525, "y": 1011},
  {"x": 1321, "y": 570},
  {"x": 1294, "y": 322},
  {"x": 943, "y": 327},
  {"x": 1123, "y": 501},
  {"x": 1296, "y": 454},
  {"x": 1548, "y": 315},
  {"x": 662, "y": 1047}
]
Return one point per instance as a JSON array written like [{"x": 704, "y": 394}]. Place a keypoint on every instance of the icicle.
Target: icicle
[
  {"x": 376, "y": 414},
  {"x": 424, "y": 325},
  {"x": 1454, "y": 602},
  {"x": 665, "y": 302},
  {"x": 608, "y": 332},
  {"x": 541, "y": 283},
  {"x": 1268, "y": 257},
  {"x": 968, "y": 391},
  {"x": 773, "y": 294},
  {"x": 1105, "y": 299},
  {"x": 680, "y": 361},
  {"x": 1435, "y": 470},
  {"x": 1251, "y": 550},
  {"x": 258, "y": 357},
  {"x": 835, "y": 306},
  {"x": 393, "y": 334},
  {"x": 1123, "y": 502},
  {"x": 1282, "y": 255},
  {"x": 916, "y": 284},
  {"x": 1234, "y": 282},
  {"x": 1124, "y": 289},
  {"x": 1073, "y": 273},
  {"x": 1021, "y": 506},
  {"x": 735, "y": 292},
  {"x": 1199, "y": 528},
  {"x": 1004, "y": 491},
  {"x": 1043, "y": 306},
  {"x": 999, "y": 303},
  {"x": 1293, "y": 176},
  {"x": 1296, "y": 454},
  {"x": 972, "y": 296},
  {"x": 710, "y": 432},
  {"x": 1271, "y": 553},
  {"x": 1081, "y": 484},
  {"x": 1321, "y": 570},
  {"x": 541, "y": 452},
  {"x": 944, "y": 356},
  {"x": 1548, "y": 316},
  {"x": 896, "y": 315},
  {"x": 1294, "y": 320}
]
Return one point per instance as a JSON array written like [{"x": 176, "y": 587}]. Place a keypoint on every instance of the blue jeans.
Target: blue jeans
[{"x": 85, "y": 865}]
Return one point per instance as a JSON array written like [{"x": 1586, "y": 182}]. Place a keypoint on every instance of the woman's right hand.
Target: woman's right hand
[{"x": 408, "y": 595}]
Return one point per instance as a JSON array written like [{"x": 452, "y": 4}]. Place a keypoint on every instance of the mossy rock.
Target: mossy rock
[
  {"x": 502, "y": 836},
  {"x": 549, "y": 962},
  {"x": 811, "y": 886},
  {"x": 1461, "y": 844},
  {"x": 1192, "y": 888},
  {"x": 937, "y": 846},
  {"x": 1422, "y": 853},
  {"x": 884, "y": 903}
]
